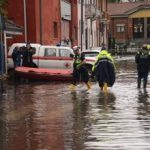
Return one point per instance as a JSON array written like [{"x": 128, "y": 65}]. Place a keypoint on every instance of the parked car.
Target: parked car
[
  {"x": 96, "y": 48},
  {"x": 90, "y": 53},
  {"x": 51, "y": 57},
  {"x": 90, "y": 56}
]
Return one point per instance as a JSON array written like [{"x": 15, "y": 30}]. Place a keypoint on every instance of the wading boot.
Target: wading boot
[
  {"x": 88, "y": 85},
  {"x": 105, "y": 87},
  {"x": 72, "y": 87},
  {"x": 144, "y": 84},
  {"x": 139, "y": 84}
]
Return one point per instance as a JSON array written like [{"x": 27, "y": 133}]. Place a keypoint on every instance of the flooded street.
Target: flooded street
[{"x": 47, "y": 116}]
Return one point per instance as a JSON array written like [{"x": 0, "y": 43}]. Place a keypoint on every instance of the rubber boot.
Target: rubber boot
[
  {"x": 88, "y": 85},
  {"x": 105, "y": 87},
  {"x": 72, "y": 87},
  {"x": 144, "y": 84},
  {"x": 139, "y": 83}
]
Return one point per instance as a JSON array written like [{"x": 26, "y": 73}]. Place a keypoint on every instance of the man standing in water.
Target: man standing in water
[
  {"x": 104, "y": 69},
  {"x": 27, "y": 53},
  {"x": 79, "y": 69},
  {"x": 142, "y": 60}
]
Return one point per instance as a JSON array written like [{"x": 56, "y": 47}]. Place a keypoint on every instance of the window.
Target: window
[
  {"x": 55, "y": 29},
  {"x": 64, "y": 53},
  {"x": 50, "y": 52},
  {"x": 120, "y": 27},
  {"x": 138, "y": 27}
]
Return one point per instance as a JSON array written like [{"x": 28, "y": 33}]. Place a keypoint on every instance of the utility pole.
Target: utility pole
[{"x": 82, "y": 2}]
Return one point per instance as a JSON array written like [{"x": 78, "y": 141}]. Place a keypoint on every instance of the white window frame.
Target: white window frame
[{"x": 120, "y": 28}]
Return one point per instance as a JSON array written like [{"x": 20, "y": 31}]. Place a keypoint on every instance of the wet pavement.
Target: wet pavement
[{"x": 47, "y": 116}]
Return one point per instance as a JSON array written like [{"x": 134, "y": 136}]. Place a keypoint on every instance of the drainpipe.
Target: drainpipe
[
  {"x": 25, "y": 20},
  {"x": 40, "y": 14},
  {"x": 82, "y": 2}
]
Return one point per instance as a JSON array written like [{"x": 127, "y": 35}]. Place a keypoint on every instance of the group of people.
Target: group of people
[
  {"x": 104, "y": 68},
  {"x": 22, "y": 56}
]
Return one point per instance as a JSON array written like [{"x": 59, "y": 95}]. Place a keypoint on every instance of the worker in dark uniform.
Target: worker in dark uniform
[
  {"x": 142, "y": 59},
  {"x": 79, "y": 69},
  {"x": 104, "y": 69},
  {"x": 27, "y": 53},
  {"x": 16, "y": 56}
]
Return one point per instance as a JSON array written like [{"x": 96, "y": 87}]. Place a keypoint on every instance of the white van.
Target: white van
[{"x": 51, "y": 57}]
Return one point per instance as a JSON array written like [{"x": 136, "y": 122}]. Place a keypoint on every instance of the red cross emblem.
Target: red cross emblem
[{"x": 67, "y": 65}]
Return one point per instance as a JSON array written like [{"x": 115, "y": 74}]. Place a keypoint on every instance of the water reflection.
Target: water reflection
[
  {"x": 144, "y": 112},
  {"x": 80, "y": 111},
  {"x": 31, "y": 119}
]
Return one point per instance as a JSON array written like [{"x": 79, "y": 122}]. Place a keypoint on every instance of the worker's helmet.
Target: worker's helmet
[
  {"x": 103, "y": 48},
  {"x": 144, "y": 47},
  {"x": 75, "y": 48}
]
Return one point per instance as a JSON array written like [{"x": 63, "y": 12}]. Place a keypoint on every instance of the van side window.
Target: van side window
[
  {"x": 50, "y": 52},
  {"x": 64, "y": 53}
]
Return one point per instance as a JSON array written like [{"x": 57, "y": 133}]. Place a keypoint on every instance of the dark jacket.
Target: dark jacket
[
  {"x": 142, "y": 59},
  {"x": 16, "y": 56},
  {"x": 104, "y": 69},
  {"x": 27, "y": 56},
  {"x": 78, "y": 58}
]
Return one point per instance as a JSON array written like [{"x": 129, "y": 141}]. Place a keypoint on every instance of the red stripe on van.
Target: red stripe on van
[{"x": 53, "y": 58}]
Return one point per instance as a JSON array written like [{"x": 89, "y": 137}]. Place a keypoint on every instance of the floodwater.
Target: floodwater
[{"x": 47, "y": 116}]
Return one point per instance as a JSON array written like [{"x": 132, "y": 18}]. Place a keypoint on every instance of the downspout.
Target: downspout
[
  {"x": 82, "y": 2},
  {"x": 60, "y": 21},
  {"x": 40, "y": 14},
  {"x": 25, "y": 20}
]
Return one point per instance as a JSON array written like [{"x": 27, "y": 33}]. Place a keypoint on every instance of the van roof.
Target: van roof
[{"x": 21, "y": 44}]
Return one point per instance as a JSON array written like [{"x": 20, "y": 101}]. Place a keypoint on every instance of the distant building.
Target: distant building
[
  {"x": 95, "y": 23},
  {"x": 129, "y": 23}
]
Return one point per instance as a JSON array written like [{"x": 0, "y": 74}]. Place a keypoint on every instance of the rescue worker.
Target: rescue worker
[
  {"x": 16, "y": 56},
  {"x": 27, "y": 53},
  {"x": 148, "y": 46},
  {"x": 79, "y": 69},
  {"x": 142, "y": 59},
  {"x": 104, "y": 69}
]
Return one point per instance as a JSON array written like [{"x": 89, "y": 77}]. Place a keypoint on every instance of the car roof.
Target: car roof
[
  {"x": 96, "y": 48},
  {"x": 38, "y": 45},
  {"x": 23, "y": 44},
  {"x": 84, "y": 51},
  {"x": 53, "y": 46}
]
